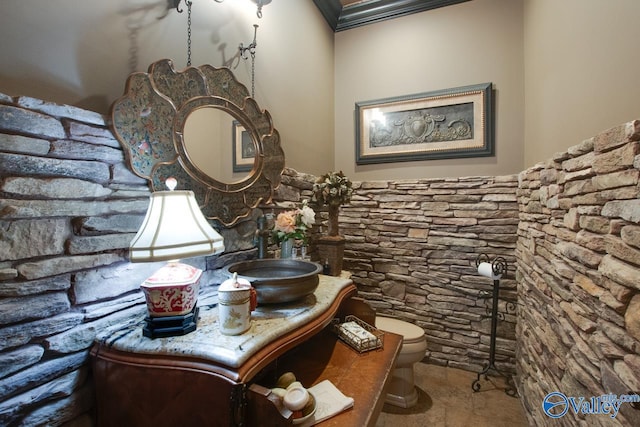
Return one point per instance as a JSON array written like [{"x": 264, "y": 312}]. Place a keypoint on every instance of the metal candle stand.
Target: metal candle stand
[{"x": 499, "y": 267}]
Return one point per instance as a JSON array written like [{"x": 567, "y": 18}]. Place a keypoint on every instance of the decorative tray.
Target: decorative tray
[{"x": 358, "y": 334}]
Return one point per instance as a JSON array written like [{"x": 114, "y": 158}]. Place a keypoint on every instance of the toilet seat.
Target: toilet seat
[{"x": 410, "y": 333}]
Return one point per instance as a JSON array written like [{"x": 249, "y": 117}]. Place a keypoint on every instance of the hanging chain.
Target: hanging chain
[
  {"x": 176, "y": 4},
  {"x": 133, "y": 49},
  {"x": 253, "y": 74},
  {"x": 253, "y": 46},
  {"x": 189, "y": 2},
  {"x": 252, "y": 50}
]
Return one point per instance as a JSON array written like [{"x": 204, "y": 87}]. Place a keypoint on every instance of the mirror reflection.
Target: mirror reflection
[{"x": 218, "y": 145}]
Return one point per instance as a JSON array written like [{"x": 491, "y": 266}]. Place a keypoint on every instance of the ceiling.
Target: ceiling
[{"x": 346, "y": 14}]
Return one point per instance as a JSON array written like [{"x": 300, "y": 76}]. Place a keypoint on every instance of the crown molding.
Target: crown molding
[{"x": 342, "y": 18}]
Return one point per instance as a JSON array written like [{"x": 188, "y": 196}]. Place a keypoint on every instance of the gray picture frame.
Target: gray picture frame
[
  {"x": 243, "y": 148},
  {"x": 442, "y": 124}
]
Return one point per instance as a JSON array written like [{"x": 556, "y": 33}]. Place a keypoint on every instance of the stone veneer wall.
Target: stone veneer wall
[
  {"x": 579, "y": 276},
  {"x": 69, "y": 206},
  {"x": 412, "y": 246}
]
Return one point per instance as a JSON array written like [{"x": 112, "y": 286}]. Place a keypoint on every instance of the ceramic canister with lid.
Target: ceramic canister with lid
[{"x": 236, "y": 300}]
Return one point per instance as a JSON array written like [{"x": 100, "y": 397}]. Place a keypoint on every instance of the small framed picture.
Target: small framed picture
[{"x": 244, "y": 150}]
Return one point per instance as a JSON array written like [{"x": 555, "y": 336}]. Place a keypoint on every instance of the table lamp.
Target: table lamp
[{"x": 173, "y": 228}]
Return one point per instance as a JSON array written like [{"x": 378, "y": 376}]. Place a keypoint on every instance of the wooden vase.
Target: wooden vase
[
  {"x": 331, "y": 247},
  {"x": 332, "y": 224},
  {"x": 331, "y": 253}
]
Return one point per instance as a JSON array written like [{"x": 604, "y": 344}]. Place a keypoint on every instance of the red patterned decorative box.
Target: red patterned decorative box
[{"x": 172, "y": 290}]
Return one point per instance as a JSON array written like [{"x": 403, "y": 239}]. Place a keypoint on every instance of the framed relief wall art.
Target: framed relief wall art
[{"x": 443, "y": 124}]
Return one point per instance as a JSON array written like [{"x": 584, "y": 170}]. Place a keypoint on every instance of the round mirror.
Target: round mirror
[{"x": 218, "y": 145}]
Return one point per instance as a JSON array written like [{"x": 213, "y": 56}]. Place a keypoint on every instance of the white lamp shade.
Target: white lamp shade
[{"x": 174, "y": 228}]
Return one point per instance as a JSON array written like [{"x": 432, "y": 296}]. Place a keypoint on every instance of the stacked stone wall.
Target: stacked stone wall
[
  {"x": 578, "y": 277},
  {"x": 69, "y": 206},
  {"x": 412, "y": 247},
  {"x": 68, "y": 209}
]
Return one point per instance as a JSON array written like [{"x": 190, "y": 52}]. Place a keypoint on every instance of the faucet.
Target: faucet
[{"x": 262, "y": 237}]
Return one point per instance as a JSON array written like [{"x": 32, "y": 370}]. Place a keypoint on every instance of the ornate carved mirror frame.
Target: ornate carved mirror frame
[{"x": 148, "y": 121}]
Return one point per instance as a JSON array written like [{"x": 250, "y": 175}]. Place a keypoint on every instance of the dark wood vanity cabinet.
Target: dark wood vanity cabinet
[{"x": 170, "y": 382}]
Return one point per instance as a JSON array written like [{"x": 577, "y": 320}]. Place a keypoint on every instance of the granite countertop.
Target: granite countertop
[{"x": 268, "y": 322}]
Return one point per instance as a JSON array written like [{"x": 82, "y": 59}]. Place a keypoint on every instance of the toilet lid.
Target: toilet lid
[{"x": 407, "y": 330}]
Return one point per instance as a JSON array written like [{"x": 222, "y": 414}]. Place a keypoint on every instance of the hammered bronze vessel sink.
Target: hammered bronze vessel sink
[{"x": 278, "y": 280}]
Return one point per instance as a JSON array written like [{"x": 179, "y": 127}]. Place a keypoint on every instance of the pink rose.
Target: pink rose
[{"x": 286, "y": 222}]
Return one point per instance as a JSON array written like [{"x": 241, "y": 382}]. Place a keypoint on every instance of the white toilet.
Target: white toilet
[{"x": 402, "y": 391}]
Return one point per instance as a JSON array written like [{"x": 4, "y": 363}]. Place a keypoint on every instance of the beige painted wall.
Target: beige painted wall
[
  {"x": 469, "y": 43},
  {"x": 298, "y": 82},
  {"x": 579, "y": 57},
  {"x": 582, "y": 71},
  {"x": 79, "y": 53}
]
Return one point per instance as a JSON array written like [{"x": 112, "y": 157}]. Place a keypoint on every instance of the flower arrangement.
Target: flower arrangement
[
  {"x": 332, "y": 189},
  {"x": 293, "y": 224}
]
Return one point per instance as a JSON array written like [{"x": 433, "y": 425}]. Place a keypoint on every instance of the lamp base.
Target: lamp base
[{"x": 170, "y": 326}]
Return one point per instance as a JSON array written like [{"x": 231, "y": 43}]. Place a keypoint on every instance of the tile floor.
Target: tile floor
[{"x": 447, "y": 400}]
